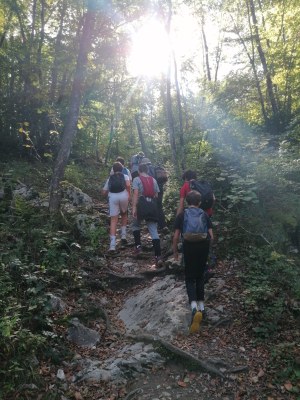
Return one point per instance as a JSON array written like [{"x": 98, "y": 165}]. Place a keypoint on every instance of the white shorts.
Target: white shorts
[{"x": 118, "y": 203}]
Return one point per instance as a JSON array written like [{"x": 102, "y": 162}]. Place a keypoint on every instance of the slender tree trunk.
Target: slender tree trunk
[
  {"x": 253, "y": 66},
  {"x": 208, "y": 74},
  {"x": 168, "y": 96},
  {"x": 140, "y": 133},
  {"x": 179, "y": 107},
  {"x": 70, "y": 127},
  {"x": 269, "y": 83},
  {"x": 57, "y": 47}
]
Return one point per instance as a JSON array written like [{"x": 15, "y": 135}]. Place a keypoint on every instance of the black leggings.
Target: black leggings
[{"x": 195, "y": 259}]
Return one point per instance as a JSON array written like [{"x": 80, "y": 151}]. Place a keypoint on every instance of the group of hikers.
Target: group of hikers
[{"x": 143, "y": 185}]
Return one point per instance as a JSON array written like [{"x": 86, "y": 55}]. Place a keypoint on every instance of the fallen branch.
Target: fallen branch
[
  {"x": 164, "y": 345},
  {"x": 133, "y": 393}
]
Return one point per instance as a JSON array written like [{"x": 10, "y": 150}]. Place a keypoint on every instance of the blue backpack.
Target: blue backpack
[{"x": 195, "y": 227}]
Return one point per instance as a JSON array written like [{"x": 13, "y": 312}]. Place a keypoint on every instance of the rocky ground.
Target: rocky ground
[{"x": 149, "y": 353}]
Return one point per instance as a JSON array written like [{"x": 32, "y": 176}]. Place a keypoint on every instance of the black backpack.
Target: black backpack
[
  {"x": 207, "y": 194},
  {"x": 116, "y": 183},
  {"x": 158, "y": 173},
  {"x": 161, "y": 174}
]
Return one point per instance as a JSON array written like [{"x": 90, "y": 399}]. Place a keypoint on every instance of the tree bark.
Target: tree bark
[
  {"x": 70, "y": 127},
  {"x": 140, "y": 133},
  {"x": 269, "y": 83},
  {"x": 180, "y": 117}
]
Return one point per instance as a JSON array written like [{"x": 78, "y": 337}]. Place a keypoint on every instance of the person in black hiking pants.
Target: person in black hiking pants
[{"x": 195, "y": 255}]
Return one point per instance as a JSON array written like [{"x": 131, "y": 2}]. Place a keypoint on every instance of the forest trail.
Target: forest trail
[{"x": 225, "y": 346}]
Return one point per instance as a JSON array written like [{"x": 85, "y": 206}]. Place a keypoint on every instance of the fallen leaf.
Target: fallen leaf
[
  {"x": 78, "y": 396},
  {"x": 182, "y": 384},
  {"x": 261, "y": 373},
  {"x": 288, "y": 386}
]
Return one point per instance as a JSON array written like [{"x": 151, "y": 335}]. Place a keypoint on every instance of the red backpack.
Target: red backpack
[{"x": 148, "y": 186}]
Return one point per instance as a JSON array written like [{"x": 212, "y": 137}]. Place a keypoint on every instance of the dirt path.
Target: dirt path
[{"x": 226, "y": 345}]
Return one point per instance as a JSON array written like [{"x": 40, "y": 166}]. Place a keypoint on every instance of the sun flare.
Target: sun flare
[
  {"x": 151, "y": 46},
  {"x": 150, "y": 50}
]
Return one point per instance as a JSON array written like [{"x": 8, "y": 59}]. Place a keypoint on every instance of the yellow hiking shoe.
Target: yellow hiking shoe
[{"x": 196, "y": 321}]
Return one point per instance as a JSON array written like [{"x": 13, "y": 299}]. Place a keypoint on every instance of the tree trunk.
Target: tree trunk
[
  {"x": 208, "y": 74},
  {"x": 179, "y": 107},
  {"x": 140, "y": 133},
  {"x": 269, "y": 83},
  {"x": 70, "y": 127},
  {"x": 168, "y": 96}
]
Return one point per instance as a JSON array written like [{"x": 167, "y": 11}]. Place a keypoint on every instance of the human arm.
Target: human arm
[
  {"x": 175, "y": 243},
  {"x": 128, "y": 188},
  {"x": 135, "y": 197},
  {"x": 181, "y": 205},
  {"x": 105, "y": 189},
  {"x": 211, "y": 235}
]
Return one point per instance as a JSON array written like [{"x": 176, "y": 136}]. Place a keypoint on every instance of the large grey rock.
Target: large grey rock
[
  {"x": 81, "y": 335},
  {"x": 76, "y": 197},
  {"x": 161, "y": 309},
  {"x": 56, "y": 303},
  {"x": 25, "y": 192},
  {"x": 85, "y": 224},
  {"x": 128, "y": 363}
]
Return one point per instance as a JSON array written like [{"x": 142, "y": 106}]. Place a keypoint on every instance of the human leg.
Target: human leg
[
  {"x": 114, "y": 215},
  {"x": 152, "y": 228},
  {"x": 124, "y": 216},
  {"x": 161, "y": 215},
  {"x": 136, "y": 231}
]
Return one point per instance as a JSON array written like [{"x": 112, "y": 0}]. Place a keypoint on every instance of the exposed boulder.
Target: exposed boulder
[
  {"x": 161, "y": 309},
  {"x": 81, "y": 335},
  {"x": 130, "y": 361}
]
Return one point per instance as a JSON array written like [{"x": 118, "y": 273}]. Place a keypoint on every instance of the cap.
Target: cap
[
  {"x": 145, "y": 161},
  {"x": 140, "y": 153}
]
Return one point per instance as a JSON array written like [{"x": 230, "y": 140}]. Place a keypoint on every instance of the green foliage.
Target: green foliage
[
  {"x": 271, "y": 280},
  {"x": 285, "y": 363}
]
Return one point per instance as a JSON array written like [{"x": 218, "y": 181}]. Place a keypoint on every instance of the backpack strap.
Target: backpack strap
[{"x": 148, "y": 186}]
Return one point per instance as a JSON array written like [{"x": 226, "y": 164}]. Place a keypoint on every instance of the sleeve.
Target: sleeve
[
  {"x": 209, "y": 223},
  {"x": 178, "y": 224},
  {"x": 105, "y": 187},
  {"x": 156, "y": 187},
  {"x": 135, "y": 183},
  {"x": 126, "y": 177},
  {"x": 185, "y": 189}
]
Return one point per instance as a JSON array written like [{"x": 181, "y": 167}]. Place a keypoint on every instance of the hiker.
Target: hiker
[
  {"x": 117, "y": 187},
  {"x": 125, "y": 170},
  {"x": 189, "y": 176},
  {"x": 161, "y": 225},
  {"x": 144, "y": 207},
  {"x": 195, "y": 227},
  {"x": 134, "y": 164}
]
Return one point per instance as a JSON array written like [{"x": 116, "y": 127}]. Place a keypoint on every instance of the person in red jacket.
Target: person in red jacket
[{"x": 188, "y": 176}]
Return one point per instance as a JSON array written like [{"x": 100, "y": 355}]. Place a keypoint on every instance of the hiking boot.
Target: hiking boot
[
  {"x": 196, "y": 321},
  {"x": 158, "y": 261},
  {"x": 112, "y": 248},
  {"x": 138, "y": 250},
  {"x": 124, "y": 242}
]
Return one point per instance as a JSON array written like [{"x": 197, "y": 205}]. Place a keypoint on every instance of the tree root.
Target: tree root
[
  {"x": 133, "y": 393},
  {"x": 175, "y": 351}
]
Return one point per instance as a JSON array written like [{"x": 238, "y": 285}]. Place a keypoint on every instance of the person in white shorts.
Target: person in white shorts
[{"x": 117, "y": 187}]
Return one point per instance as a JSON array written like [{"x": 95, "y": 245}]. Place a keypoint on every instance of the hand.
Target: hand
[{"x": 134, "y": 213}]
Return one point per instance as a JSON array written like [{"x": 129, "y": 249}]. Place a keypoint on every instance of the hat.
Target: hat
[
  {"x": 140, "y": 153},
  {"x": 145, "y": 161}
]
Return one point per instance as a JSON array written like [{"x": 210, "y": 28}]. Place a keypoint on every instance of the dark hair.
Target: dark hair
[
  {"x": 193, "y": 198},
  {"x": 189, "y": 174},
  {"x": 143, "y": 168},
  {"x": 121, "y": 160},
  {"x": 117, "y": 167}
]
